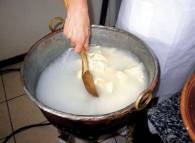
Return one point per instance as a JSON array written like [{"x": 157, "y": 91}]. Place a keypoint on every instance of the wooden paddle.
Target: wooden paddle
[{"x": 86, "y": 75}]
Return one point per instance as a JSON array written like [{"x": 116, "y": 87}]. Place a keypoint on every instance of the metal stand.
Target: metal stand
[
  {"x": 129, "y": 135},
  {"x": 65, "y": 137}
]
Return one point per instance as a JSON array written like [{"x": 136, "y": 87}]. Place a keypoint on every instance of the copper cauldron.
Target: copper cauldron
[{"x": 52, "y": 45}]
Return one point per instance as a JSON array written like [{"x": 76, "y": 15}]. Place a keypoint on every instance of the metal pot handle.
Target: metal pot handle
[
  {"x": 54, "y": 20},
  {"x": 143, "y": 99}
]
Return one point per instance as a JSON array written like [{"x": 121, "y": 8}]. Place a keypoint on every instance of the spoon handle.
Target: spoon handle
[{"x": 85, "y": 66}]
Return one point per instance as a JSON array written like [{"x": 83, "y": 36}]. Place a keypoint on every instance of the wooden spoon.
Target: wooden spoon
[{"x": 86, "y": 75}]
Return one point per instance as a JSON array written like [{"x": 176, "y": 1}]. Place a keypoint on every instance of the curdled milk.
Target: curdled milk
[{"x": 118, "y": 76}]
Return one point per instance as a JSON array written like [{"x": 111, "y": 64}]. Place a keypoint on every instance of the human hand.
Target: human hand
[{"x": 77, "y": 24}]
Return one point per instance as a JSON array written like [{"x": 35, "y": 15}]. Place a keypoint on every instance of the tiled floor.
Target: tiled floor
[{"x": 17, "y": 110}]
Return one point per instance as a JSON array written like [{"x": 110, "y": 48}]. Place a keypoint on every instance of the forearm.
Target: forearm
[{"x": 77, "y": 24}]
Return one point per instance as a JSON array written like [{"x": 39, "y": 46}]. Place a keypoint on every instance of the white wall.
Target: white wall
[{"x": 23, "y": 22}]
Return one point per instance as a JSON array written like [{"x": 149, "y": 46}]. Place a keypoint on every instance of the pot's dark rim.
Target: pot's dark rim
[{"x": 112, "y": 115}]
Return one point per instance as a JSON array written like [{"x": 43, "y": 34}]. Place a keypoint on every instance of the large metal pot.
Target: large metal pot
[{"x": 52, "y": 45}]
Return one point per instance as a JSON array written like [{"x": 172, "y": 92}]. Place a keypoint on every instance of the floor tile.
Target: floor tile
[
  {"x": 2, "y": 93},
  {"x": 110, "y": 140},
  {"x": 11, "y": 140},
  {"x": 120, "y": 139},
  {"x": 78, "y": 140},
  {"x": 13, "y": 84},
  {"x": 104, "y": 137},
  {"x": 24, "y": 112},
  {"x": 44, "y": 134},
  {"x": 14, "y": 66},
  {"x": 5, "y": 125}
]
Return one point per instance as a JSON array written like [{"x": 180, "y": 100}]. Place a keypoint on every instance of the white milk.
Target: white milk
[{"x": 118, "y": 76}]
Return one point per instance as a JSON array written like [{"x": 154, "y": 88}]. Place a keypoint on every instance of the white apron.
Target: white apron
[{"x": 168, "y": 27}]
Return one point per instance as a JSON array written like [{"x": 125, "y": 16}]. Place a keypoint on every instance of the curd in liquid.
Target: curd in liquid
[{"x": 118, "y": 76}]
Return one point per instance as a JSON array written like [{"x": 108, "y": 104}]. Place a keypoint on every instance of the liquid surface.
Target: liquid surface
[{"x": 118, "y": 76}]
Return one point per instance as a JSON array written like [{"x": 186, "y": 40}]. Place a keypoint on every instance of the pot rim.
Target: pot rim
[{"x": 113, "y": 115}]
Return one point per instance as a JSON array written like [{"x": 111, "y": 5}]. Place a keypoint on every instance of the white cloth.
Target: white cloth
[{"x": 168, "y": 27}]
